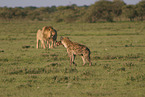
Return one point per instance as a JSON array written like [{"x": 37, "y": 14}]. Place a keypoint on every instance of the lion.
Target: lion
[{"x": 50, "y": 35}]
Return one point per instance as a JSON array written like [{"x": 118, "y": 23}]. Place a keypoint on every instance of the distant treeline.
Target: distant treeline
[{"x": 102, "y": 10}]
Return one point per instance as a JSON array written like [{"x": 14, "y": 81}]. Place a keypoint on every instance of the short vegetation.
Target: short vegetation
[{"x": 117, "y": 55}]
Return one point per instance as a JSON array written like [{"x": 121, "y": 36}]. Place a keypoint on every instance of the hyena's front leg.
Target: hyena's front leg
[
  {"x": 70, "y": 56},
  {"x": 70, "y": 60},
  {"x": 73, "y": 58}
]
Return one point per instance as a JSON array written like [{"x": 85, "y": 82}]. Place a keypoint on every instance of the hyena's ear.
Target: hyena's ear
[{"x": 61, "y": 38}]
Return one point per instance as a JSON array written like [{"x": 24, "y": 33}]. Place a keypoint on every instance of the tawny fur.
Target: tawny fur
[
  {"x": 50, "y": 35},
  {"x": 74, "y": 49},
  {"x": 39, "y": 36}
]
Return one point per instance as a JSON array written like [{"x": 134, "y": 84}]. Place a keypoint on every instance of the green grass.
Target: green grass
[{"x": 117, "y": 53}]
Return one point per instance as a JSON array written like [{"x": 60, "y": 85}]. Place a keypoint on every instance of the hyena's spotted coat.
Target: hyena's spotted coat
[{"x": 74, "y": 49}]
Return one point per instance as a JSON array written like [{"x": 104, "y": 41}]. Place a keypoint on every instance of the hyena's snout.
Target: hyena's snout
[{"x": 58, "y": 43}]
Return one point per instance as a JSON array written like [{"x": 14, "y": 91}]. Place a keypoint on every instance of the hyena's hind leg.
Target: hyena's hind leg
[
  {"x": 89, "y": 60},
  {"x": 86, "y": 57}
]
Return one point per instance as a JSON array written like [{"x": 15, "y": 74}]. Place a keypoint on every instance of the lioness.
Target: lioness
[{"x": 39, "y": 36}]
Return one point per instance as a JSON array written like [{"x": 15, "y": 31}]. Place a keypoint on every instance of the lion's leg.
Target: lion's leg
[
  {"x": 48, "y": 43},
  {"x": 37, "y": 43},
  {"x": 52, "y": 44},
  {"x": 42, "y": 42}
]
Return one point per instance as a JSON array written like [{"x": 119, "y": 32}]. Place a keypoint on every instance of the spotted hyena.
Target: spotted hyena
[{"x": 74, "y": 49}]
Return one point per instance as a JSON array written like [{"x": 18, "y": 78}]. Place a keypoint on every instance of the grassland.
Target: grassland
[{"x": 117, "y": 53}]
